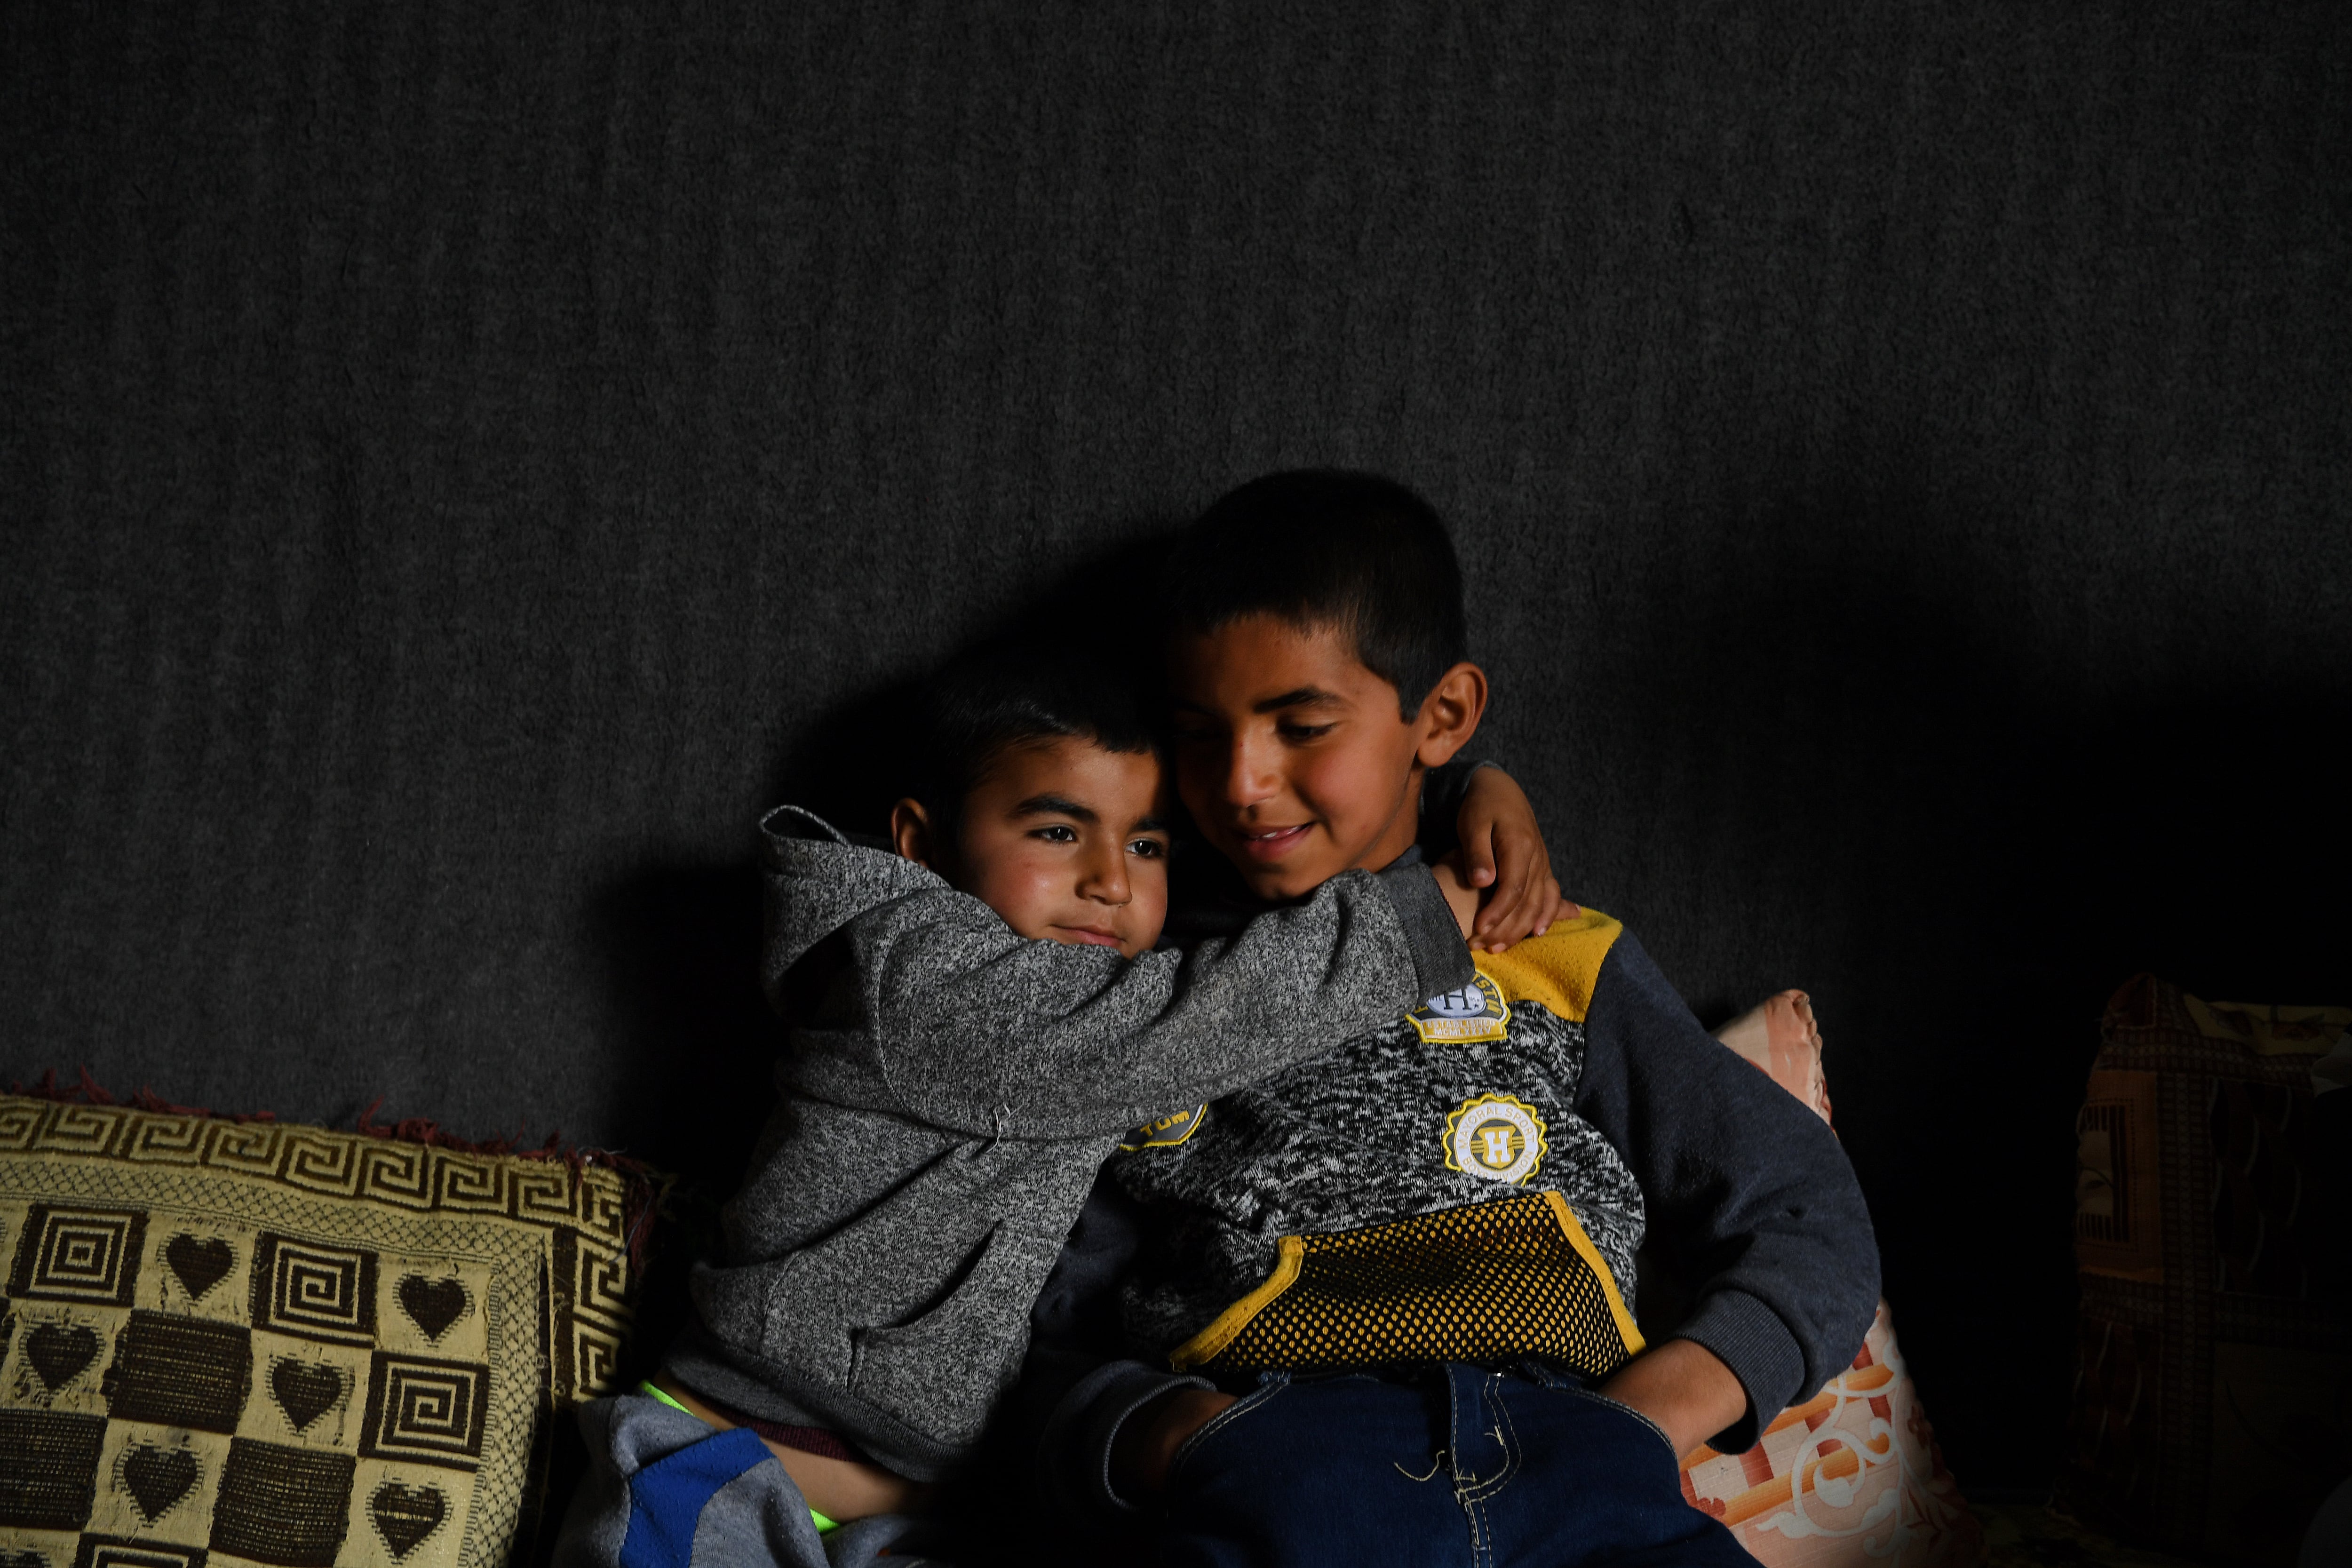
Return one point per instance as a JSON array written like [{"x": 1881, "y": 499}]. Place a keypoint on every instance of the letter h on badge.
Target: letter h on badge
[
  {"x": 1497, "y": 1136},
  {"x": 1476, "y": 1011}
]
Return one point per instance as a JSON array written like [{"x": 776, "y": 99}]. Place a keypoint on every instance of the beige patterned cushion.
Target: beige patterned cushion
[{"x": 249, "y": 1343}]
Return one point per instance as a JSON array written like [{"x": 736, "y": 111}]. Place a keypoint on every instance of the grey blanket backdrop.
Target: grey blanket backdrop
[{"x": 456, "y": 456}]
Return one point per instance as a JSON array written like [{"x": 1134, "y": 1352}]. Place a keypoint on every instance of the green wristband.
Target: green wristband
[{"x": 647, "y": 1388}]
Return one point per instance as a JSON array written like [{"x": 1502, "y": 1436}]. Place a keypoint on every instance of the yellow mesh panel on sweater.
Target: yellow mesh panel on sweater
[{"x": 1487, "y": 1282}]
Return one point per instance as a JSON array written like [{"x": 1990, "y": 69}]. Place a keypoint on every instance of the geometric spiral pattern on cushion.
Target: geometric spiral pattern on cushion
[{"x": 231, "y": 1343}]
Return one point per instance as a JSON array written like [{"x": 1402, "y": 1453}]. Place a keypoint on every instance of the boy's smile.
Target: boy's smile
[{"x": 1291, "y": 754}]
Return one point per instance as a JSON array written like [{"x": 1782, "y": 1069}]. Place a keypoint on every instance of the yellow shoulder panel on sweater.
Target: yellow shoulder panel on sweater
[{"x": 1557, "y": 969}]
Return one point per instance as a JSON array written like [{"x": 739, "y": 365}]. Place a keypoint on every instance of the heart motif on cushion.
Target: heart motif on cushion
[
  {"x": 406, "y": 1515},
  {"x": 59, "y": 1350},
  {"x": 158, "y": 1477},
  {"x": 305, "y": 1390},
  {"x": 200, "y": 1263},
  {"x": 433, "y": 1304}
]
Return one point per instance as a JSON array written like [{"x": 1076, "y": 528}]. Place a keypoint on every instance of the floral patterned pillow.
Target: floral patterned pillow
[{"x": 1851, "y": 1477}]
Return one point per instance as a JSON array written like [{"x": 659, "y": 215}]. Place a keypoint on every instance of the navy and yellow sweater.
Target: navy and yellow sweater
[
  {"x": 1428, "y": 1192},
  {"x": 1470, "y": 1183}
]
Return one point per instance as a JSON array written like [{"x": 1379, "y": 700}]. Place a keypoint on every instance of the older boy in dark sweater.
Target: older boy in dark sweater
[{"x": 1386, "y": 1296}]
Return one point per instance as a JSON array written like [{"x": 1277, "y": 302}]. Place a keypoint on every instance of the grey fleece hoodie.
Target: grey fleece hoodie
[{"x": 948, "y": 1092}]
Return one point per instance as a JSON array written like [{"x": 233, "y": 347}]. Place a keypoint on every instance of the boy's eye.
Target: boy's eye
[
  {"x": 1306, "y": 731},
  {"x": 1149, "y": 849},
  {"x": 1057, "y": 833}
]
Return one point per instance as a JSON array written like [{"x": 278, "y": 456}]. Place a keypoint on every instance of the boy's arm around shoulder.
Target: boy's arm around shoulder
[
  {"x": 980, "y": 1030},
  {"x": 1748, "y": 1192}
]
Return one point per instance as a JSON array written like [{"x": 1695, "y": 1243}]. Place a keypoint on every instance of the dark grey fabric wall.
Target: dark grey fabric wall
[{"x": 456, "y": 455}]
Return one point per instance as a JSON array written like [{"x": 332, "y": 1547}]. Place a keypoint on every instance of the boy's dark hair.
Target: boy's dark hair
[
  {"x": 1325, "y": 547},
  {"x": 1006, "y": 696}
]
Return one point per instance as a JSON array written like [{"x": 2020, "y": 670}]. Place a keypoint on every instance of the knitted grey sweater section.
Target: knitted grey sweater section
[
  {"x": 1351, "y": 1139},
  {"x": 948, "y": 1094}
]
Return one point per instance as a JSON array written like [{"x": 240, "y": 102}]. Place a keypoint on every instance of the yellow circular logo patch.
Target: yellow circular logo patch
[{"x": 1496, "y": 1136}]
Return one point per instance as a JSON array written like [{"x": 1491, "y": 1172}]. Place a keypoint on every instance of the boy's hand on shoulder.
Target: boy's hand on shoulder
[{"x": 1503, "y": 854}]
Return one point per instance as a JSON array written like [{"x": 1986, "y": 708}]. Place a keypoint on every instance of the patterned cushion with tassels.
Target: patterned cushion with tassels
[{"x": 246, "y": 1342}]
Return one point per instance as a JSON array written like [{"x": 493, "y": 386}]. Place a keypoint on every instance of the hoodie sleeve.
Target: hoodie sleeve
[
  {"x": 1748, "y": 1192},
  {"x": 976, "y": 1030}
]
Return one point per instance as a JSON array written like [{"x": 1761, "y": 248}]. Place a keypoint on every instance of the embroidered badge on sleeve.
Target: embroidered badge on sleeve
[
  {"x": 1476, "y": 1011},
  {"x": 1496, "y": 1136}
]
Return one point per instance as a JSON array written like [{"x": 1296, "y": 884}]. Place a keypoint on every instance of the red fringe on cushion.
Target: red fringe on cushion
[
  {"x": 89, "y": 1091},
  {"x": 642, "y": 1187}
]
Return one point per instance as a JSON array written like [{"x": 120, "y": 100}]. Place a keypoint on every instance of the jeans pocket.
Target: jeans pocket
[
  {"x": 1216, "y": 1425},
  {"x": 1622, "y": 1407}
]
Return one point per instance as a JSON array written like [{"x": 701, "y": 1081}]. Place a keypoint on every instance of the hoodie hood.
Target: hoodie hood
[{"x": 816, "y": 881}]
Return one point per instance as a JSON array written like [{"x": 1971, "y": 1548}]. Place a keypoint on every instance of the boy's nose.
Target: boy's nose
[
  {"x": 1248, "y": 778},
  {"x": 1104, "y": 881}
]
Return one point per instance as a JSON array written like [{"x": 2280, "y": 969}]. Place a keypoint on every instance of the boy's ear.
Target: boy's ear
[
  {"x": 1450, "y": 713},
  {"x": 911, "y": 835}
]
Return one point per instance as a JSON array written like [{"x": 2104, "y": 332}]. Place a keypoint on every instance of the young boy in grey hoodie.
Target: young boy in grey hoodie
[{"x": 982, "y": 1014}]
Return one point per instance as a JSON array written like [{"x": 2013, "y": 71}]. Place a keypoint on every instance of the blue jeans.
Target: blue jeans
[{"x": 1453, "y": 1466}]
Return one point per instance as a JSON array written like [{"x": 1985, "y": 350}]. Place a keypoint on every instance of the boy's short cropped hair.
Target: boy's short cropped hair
[
  {"x": 1328, "y": 547},
  {"x": 997, "y": 698}
]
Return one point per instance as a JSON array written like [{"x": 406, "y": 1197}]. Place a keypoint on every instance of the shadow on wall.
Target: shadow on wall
[
  {"x": 1979, "y": 852},
  {"x": 851, "y": 763},
  {"x": 679, "y": 945},
  {"x": 680, "y": 942}
]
